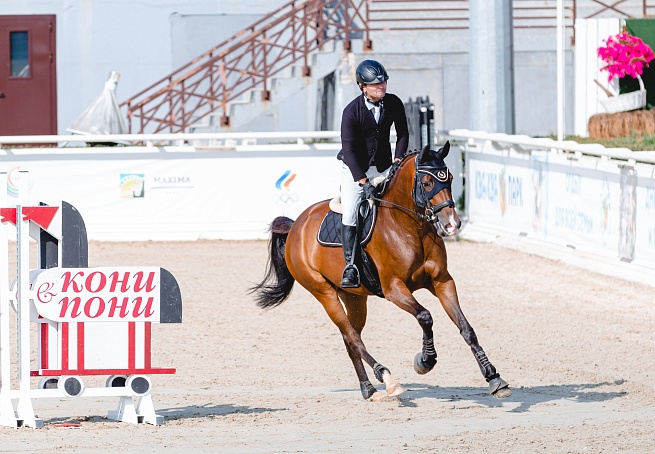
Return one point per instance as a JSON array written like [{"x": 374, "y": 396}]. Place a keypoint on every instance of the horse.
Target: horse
[{"x": 415, "y": 210}]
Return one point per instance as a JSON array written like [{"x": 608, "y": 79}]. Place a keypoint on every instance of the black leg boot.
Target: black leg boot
[{"x": 350, "y": 278}]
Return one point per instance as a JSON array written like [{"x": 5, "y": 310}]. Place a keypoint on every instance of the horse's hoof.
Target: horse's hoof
[
  {"x": 419, "y": 366},
  {"x": 379, "y": 396},
  {"x": 503, "y": 393},
  {"x": 499, "y": 388},
  {"x": 395, "y": 389}
]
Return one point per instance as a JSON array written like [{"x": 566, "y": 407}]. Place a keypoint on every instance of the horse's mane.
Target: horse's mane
[{"x": 394, "y": 168}]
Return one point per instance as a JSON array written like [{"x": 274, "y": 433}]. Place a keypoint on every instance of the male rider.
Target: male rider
[{"x": 366, "y": 151}]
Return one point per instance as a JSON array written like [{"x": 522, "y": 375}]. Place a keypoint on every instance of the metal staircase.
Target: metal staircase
[
  {"x": 249, "y": 59},
  {"x": 290, "y": 36}
]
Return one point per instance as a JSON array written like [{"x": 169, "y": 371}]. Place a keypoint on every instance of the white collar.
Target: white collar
[{"x": 373, "y": 104}]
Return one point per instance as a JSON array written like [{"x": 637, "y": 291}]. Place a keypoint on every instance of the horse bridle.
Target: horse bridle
[{"x": 442, "y": 177}]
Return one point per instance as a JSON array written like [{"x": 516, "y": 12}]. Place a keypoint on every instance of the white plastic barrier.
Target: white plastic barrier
[
  {"x": 202, "y": 186},
  {"x": 584, "y": 197},
  {"x": 182, "y": 186}
]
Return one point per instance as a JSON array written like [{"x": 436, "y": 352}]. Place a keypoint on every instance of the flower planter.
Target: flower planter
[{"x": 627, "y": 101}]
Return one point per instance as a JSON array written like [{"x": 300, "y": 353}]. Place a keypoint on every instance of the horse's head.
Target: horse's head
[{"x": 432, "y": 190}]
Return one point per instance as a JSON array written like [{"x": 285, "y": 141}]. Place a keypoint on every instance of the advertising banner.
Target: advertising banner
[
  {"x": 602, "y": 206},
  {"x": 132, "y": 194}
]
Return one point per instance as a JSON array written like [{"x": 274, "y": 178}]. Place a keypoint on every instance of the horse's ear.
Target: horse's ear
[
  {"x": 443, "y": 151},
  {"x": 424, "y": 155}
]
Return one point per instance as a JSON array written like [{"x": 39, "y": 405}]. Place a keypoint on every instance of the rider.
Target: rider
[{"x": 365, "y": 149}]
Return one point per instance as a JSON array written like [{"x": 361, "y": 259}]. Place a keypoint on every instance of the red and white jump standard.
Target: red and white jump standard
[{"x": 90, "y": 321}]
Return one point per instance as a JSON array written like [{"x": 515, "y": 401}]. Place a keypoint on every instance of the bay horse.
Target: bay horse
[{"x": 414, "y": 212}]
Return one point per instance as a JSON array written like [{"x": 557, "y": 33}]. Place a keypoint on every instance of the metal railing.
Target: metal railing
[
  {"x": 160, "y": 143},
  {"x": 573, "y": 148},
  {"x": 245, "y": 61},
  {"x": 12, "y": 145},
  {"x": 292, "y": 33}
]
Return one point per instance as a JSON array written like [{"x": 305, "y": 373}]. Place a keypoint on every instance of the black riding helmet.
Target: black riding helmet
[{"x": 371, "y": 72}]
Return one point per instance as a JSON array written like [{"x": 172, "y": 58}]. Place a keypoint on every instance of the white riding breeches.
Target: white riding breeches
[{"x": 351, "y": 192}]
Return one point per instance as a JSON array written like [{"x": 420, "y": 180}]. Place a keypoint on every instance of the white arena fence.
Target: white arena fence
[
  {"x": 174, "y": 187},
  {"x": 178, "y": 186},
  {"x": 593, "y": 201}
]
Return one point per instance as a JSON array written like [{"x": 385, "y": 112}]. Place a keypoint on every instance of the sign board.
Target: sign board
[{"x": 119, "y": 294}]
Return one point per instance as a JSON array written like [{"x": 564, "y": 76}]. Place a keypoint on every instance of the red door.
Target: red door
[{"x": 28, "y": 82}]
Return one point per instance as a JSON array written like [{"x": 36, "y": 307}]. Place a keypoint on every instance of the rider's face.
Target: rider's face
[{"x": 375, "y": 92}]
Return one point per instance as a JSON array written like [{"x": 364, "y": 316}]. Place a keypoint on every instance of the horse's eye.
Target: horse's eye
[{"x": 427, "y": 183}]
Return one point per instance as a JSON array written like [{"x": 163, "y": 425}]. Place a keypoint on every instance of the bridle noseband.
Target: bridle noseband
[{"x": 441, "y": 177}]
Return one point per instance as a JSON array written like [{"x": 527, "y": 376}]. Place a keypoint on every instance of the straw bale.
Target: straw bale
[{"x": 622, "y": 124}]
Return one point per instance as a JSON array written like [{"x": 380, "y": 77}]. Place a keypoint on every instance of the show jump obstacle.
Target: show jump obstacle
[{"x": 89, "y": 321}]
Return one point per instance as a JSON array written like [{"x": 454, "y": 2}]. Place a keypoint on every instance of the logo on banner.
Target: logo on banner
[
  {"x": 283, "y": 185},
  {"x": 13, "y": 180},
  {"x": 171, "y": 182},
  {"x": 98, "y": 294},
  {"x": 539, "y": 172},
  {"x": 132, "y": 185},
  {"x": 605, "y": 211},
  {"x": 502, "y": 187}
]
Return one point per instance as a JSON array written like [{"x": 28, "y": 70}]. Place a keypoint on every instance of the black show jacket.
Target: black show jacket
[{"x": 364, "y": 142}]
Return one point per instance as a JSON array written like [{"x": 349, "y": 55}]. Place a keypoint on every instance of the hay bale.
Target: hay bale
[{"x": 622, "y": 124}]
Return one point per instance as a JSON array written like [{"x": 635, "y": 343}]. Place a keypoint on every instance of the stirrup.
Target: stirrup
[{"x": 348, "y": 283}]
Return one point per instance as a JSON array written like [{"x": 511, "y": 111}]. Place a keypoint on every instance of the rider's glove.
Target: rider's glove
[{"x": 368, "y": 189}]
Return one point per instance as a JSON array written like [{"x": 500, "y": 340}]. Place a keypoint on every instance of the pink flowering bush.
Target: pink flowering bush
[{"x": 625, "y": 54}]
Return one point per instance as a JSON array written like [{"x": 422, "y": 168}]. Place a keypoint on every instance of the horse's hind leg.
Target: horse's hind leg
[
  {"x": 327, "y": 296},
  {"x": 356, "y": 310},
  {"x": 447, "y": 294}
]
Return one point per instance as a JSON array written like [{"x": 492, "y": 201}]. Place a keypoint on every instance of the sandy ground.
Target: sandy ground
[{"x": 576, "y": 347}]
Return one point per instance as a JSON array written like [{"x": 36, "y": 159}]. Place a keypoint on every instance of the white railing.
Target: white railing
[
  {"x": 545, "y": 143},
  {"x": 224, "y": 139},
  {"x": 235, "y": 139}
]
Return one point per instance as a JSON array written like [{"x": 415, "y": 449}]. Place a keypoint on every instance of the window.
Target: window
[{"x": 19, "y": 54}]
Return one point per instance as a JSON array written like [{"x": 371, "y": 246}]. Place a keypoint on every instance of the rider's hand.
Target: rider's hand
[{"x": 368, "y": 189}]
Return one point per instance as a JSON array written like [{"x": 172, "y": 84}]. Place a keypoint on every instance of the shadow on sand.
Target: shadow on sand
[
  {"x": 526, "y": 397},
  {"x": 210, "y": 410}
]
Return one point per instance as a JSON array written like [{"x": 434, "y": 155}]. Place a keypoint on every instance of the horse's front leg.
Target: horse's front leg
[
  {"x": 401, "y": 296},
  {"x": 447, "y": 294}
]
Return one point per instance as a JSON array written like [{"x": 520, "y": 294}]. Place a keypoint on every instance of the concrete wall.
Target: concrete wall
[
  {"x": 133, "y": 38},
  {"x": 144, "y": 41},
  {"x": 436, "y": 65}
]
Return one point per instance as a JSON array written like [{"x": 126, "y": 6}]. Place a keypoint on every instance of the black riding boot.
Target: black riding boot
[{"x": 350, "y": 278}]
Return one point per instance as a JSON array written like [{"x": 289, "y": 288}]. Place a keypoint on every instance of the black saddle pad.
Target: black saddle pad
[{"x": 329, "y": 233}]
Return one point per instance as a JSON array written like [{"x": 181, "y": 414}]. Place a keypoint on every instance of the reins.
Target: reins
[{"x": 408, "y": 210}]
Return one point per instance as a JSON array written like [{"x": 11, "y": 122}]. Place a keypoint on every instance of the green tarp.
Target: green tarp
[{"x": 644, "y": 29}]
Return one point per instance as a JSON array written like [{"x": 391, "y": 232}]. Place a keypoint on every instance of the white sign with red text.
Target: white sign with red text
[{"x": 121, "y": 294}]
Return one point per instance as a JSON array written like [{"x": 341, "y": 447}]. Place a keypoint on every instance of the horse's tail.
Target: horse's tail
[{"x": 276, "y": 286}]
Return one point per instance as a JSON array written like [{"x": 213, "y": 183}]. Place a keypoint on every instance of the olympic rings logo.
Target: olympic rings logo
[{"x": 285, "y": 198}]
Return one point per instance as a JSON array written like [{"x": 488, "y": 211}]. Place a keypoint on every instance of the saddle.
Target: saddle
[{"x": 329, "y": 235}]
